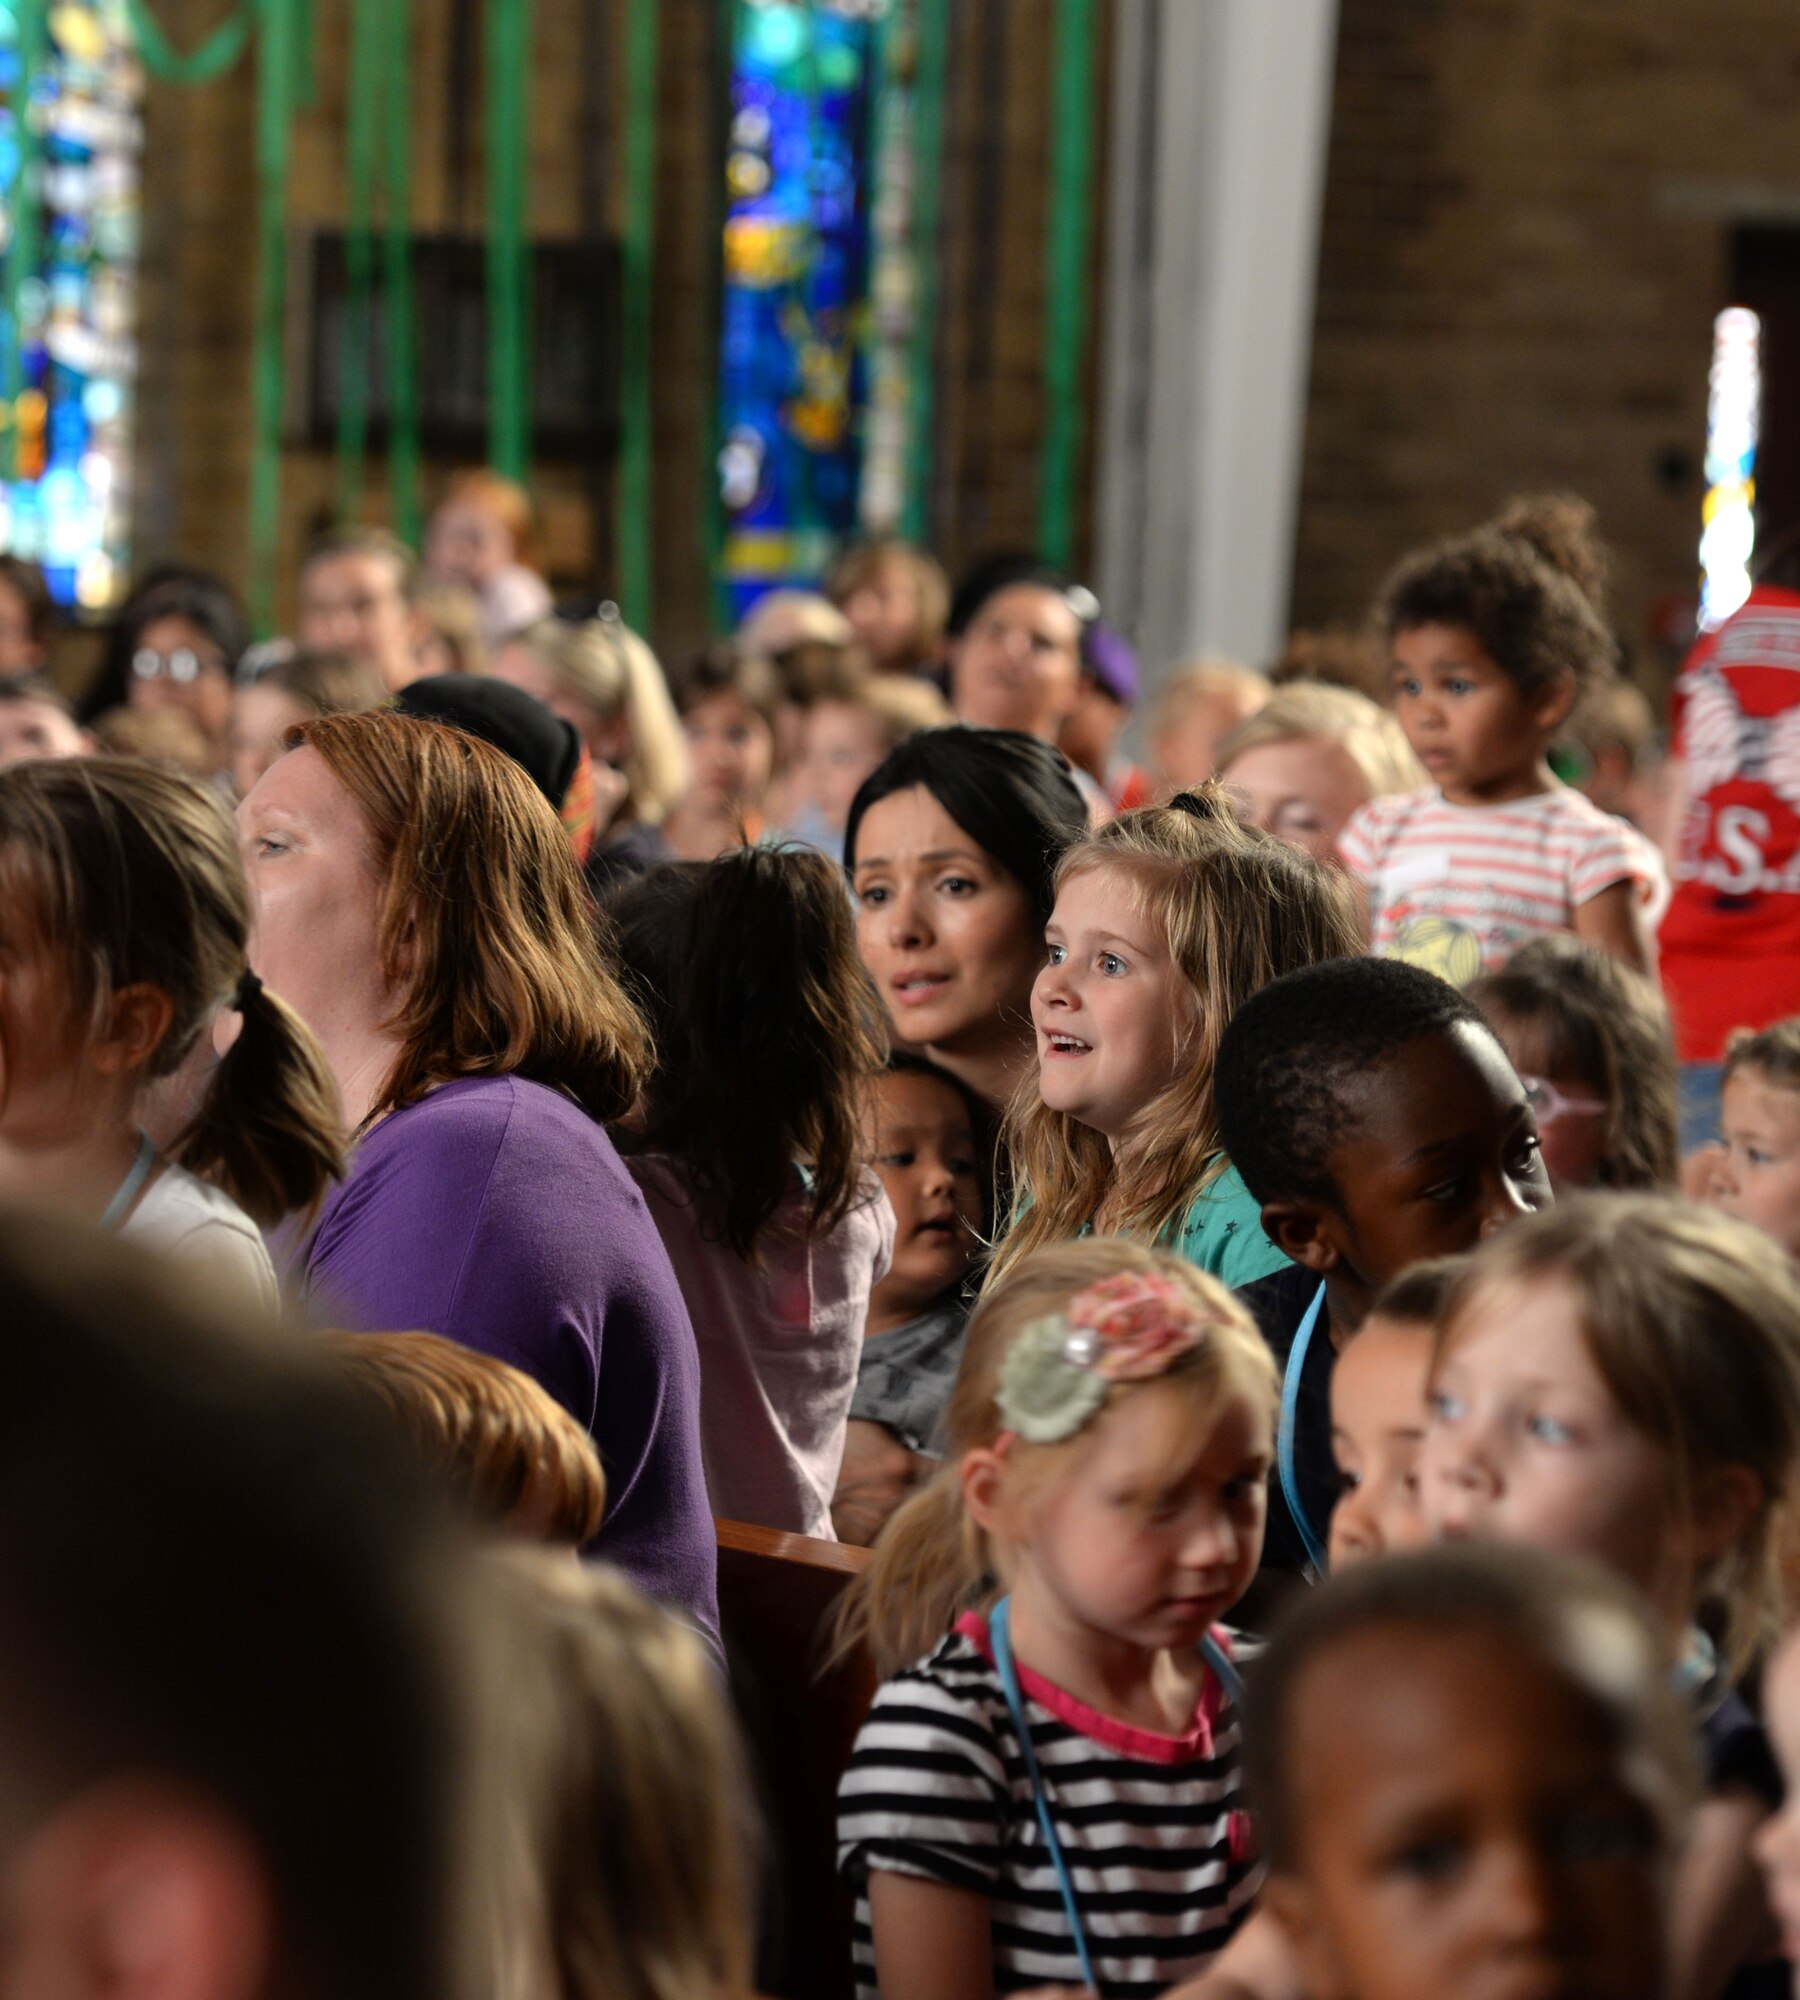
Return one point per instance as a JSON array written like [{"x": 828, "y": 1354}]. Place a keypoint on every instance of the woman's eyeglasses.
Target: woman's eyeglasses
[{"x": 182, "y": 665}]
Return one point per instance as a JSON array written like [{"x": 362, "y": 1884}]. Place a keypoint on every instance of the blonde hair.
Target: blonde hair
[
  {"x": 505, "y": 1445},
  {"x": 605, "y": 664},
  {"x": 902, "y": 707},
  {"x": 625, "y": 1826},
  {"x": 933, "y": 1561},
  {"x": 931, "y": 587},
  {"x": 1311, "y": 712},
  {"x": 485, "y": 928},
  {"x": 1693, "y": 1322},
  {"x": 131, "y": 874},
  {"x": 1237, "y": 909},
  {"x": 454, "y": 615},
  {"x": 1206, "y": 679}
]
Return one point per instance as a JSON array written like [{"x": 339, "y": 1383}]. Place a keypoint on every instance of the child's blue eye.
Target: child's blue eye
[
  {"x": 1457, "y": 685},
  {"x": 1056, "y": 954},
  {"x": 1549, "y": 1430},
  {"x": 1111, "y": 964},
  {"x": 1446, "y": 1408}
]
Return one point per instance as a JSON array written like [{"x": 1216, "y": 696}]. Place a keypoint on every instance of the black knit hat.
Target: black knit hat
[{"x": 543, "y": 745}]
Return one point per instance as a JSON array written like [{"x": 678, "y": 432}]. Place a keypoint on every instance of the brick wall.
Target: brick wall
[
  {"x": 201, "y": 262},
  {"x": 1526, "y": 235}
]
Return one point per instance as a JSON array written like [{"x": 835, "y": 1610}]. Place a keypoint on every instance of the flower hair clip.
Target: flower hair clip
[{"x": 1127, "y": 1328}]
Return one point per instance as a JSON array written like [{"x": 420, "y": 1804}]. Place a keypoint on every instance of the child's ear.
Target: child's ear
[
  {"x": 983, "y": 1480},
  {"x": 1726, "y": 1503},
  {"x": 1552, "y": 707},
  {"x": 139, "y": 1019},
  {"x": 1302, "y": 1230},
  {"x": 1289, "y": 1902}
]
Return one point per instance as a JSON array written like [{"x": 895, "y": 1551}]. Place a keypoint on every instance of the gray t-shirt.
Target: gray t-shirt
[{"x": 904, "y": 1377}]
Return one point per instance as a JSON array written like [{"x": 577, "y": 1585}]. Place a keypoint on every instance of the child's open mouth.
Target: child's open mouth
[{"x": 1066, "y": 1045}]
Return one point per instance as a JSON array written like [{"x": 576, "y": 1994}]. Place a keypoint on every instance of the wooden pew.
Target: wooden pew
[{"x": 778, "y": 1595}]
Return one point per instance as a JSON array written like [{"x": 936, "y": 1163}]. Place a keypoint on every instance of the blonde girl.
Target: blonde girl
[
  {"x": 1165, "y": 922},
  {"x": 124, "y": 915},
  {"x": 602, "y": 678},
  {"x": 1056, "y": 1590},
  {"x": 1619, "y": 1377}
]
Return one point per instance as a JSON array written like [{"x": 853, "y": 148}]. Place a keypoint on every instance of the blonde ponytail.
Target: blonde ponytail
[{"x": 930, "y": 1565}]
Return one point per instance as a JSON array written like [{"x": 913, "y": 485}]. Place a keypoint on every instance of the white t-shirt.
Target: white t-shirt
[
  {"x": 779, "y": 1346},
  {"x": 200, "y": 1228}
]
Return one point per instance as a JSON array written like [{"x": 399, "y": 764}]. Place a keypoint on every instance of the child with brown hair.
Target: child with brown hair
[
  {"x": 729, "y": 702},
  {"x": 748, "y": 1147},
  {"x": 1046, "y": 1789},
  {"x": 1619, "y": 1378},
  {"x": 897, "y": 599},
  {"x": 126, "y": 916},
  {"x": 1495, "y": 637},
  {"x": 1755, "y": 1173},
  {"x": 504, "y": 1445},
  {"x": 1594, "y": 1048}
]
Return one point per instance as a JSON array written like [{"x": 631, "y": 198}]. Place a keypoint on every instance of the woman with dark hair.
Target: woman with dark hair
[
  {"x": 418, "y": 905},
  {"x": 749, "y": 1148},
  {"x": 951, "y": 847},
  {"x": 176, "y": 646}
]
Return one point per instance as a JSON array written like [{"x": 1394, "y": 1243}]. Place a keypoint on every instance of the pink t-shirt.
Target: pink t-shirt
[
  {"x": 778, "y": 1346},
  {"x": 1457, "y": 889}
]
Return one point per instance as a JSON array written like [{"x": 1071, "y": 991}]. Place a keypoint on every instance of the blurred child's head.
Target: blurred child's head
[
  {"x": 1374, "y": 1115},
  {"x": 1612, "y": 736},
  {"x": 603, "y": 679},
  {"x": 1309, "y": 757},
  {"x": 483, "y": 525},
  {"x": 293, "y": 691},
  {"x": 848, "y": 726},
  {"x": 508, "y": 1451},
  {"x": 125, "y": 917},
  {"x": 1471, "y": 1776},
  {"x": 1107, "y": 1444},
  {"x": 1195, "y": 710},
  {"x": 1620, "y": 1379},
  {"x": 1757, "y": 1179},
  {"x": 359, "y": 593},
  {"x": 1165, "y": 922},
  {"x": 1778, "y": 1842},
  {"x": 1378, "y": 1415},
  {"x": 1494, "y": 638},
  {"x": 1591, "y": 1040},
  {"x": 37, "y": 721},
  {"x": 450, "y": 638},
  {"x": 27, "y": 618},
  {"x": 896, "y": 598},
  {"x": 782, "y": 619},
  {"x": 629, "y": 1837},
  {"x": 924, "y": 1134},
  {"x": 729, "y": 701}
]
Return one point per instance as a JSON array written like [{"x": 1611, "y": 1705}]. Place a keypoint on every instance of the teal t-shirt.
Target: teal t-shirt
[{"x": 1222, "y": 1233}]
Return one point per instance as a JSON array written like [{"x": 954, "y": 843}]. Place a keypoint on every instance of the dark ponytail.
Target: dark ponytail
[{"x": 267, "y": 1130}]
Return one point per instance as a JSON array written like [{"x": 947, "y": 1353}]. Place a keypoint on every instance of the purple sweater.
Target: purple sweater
[{"x": 496, "y": 1212}]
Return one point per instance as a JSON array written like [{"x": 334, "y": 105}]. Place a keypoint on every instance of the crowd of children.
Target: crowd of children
[{"x": 1279, "y": 1264}]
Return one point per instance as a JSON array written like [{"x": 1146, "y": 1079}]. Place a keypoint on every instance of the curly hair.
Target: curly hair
[
  {"x": 1292, "y": 1051},
  {"x": 1522, "y": 585}
]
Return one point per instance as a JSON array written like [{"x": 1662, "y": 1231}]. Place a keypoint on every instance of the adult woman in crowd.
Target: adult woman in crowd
[
  {"x": 418, "y": 904},
  {"x": 176, "y": 650},
  {"x": 598, "y": 675},
  {"x": 950, "y": 846}
]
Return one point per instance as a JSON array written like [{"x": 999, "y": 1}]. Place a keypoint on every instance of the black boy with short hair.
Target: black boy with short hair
[{"x": 1374, "y": 1115}]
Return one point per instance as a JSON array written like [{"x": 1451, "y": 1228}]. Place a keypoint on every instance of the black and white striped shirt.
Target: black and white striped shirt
[{"x": 1151, "y": 1826}]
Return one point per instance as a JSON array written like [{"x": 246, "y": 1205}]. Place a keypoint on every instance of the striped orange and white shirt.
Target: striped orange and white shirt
[{"x": 1457, "y": 889}]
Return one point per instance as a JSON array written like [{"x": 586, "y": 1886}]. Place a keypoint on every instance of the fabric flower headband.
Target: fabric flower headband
[{"x": 1127, "y": 1328}]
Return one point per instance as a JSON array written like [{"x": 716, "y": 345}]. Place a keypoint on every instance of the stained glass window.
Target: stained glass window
[{"x": 69, "y": 224}]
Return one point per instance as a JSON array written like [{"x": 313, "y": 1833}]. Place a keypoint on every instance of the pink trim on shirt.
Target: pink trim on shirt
[{"x": 1148, "y": 1744}]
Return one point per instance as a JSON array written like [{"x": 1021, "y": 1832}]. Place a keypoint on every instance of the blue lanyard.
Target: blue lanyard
[
  {"x": 128, "y": 1188},
  {"x": 1284, "y": 1440},
  {"x": 1000, "y": 1636}
]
